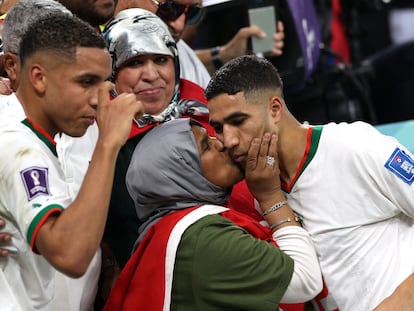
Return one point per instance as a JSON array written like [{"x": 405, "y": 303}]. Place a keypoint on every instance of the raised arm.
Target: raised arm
[
  {"x": 70, "y": 240},
  {"x": 237, "y": 46},
  {"x": 263, "y": 180}
]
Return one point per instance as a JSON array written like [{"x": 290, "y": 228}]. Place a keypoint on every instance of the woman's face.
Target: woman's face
[
  {"x": 151, "y": 78},
  {"x": 216, "y": 164}
]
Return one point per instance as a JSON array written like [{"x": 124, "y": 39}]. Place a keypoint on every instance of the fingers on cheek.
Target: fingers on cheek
[{"x": 255, "y": 145}]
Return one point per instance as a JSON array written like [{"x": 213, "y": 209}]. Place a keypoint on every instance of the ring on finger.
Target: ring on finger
[{"x": 270, "y": 161}]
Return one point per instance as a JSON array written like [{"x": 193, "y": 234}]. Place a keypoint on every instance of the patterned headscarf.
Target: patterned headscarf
[
  {"x": 135, "y": 32},
  {"x": 165, "y": 174}
]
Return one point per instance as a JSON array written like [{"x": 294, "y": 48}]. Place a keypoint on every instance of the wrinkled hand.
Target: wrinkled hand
[
  {"x": 238, "y": 45},
  {"x": 115, "y": 116},
  {"x": 5, "y": 238},
  {"x": 263, "y": 179}
]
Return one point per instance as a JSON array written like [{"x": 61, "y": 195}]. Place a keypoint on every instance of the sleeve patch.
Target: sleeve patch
[
  {"x": 35, "y": 181},
  {"x": 401, "y": 165}
]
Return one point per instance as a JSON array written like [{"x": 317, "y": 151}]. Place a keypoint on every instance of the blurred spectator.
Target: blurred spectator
[
  {"x": 381, "y": 38},
  {"x": 94, "y": 12},
  {"x": 5, "y": 88},
  {"x": 197, "y": 65}
]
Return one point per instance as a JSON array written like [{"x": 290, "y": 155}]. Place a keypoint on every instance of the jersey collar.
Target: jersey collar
[
  {"x": 42, "y": 134},
  {"x": 312, "y": 142}
]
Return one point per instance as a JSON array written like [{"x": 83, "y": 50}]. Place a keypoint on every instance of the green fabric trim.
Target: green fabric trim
[
  {"x": 314, "y": 143},
  {"x": 39, "y": 217},
  {"x": 47, "y": 142},
  {"x": 316, "y": 136}
]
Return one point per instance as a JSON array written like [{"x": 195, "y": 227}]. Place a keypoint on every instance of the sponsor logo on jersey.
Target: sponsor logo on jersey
[
  {"x": 402, "y": 165},
  {"x": 35, "y": 180}
]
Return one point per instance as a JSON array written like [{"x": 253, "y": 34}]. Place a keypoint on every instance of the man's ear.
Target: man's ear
[
  {"x": 12, "y": 68},
  {"x": 38, "y": 78},
  {"x": 276, "y": 107}
]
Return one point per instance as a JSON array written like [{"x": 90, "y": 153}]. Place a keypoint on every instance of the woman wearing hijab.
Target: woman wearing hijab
[
  {"x": 192, "y": 252},
  {"x": 144, "y": 62}
]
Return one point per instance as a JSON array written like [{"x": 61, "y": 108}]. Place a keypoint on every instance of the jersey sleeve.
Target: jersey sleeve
[
  {"x": 221, "y": 266},
  {"x": 389, "y": 167},
  {"x": 33, "y": 185}
]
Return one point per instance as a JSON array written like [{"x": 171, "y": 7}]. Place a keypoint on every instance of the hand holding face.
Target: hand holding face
[{"x": 262, "y": 168}]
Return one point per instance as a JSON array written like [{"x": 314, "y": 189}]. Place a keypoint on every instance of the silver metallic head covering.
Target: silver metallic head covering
[{"x": 135, "y": 32}]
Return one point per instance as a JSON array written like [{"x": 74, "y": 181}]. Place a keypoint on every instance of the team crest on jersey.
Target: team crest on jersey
[
  {"x": 35, "y": 180},
  {"x": 401, "y": 165}
]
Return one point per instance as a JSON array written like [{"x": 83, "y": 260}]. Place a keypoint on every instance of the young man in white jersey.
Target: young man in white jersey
[
  {"x": 352, "y": 186},
  {"x": 74, "y": 152},
  {"x": 64, "y": 66}
]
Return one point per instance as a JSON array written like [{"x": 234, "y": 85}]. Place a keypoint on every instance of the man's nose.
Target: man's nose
[
  {"x": 229, "y": 139},
  {"x": 94, "y": 98}
]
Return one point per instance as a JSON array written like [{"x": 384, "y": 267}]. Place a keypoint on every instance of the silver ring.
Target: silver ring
[{"x": 270, "y": 161}]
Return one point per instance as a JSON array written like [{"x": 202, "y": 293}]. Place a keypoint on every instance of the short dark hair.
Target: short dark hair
[
  {"x": 247, "y": 74},
  {"x": 59, "y": 33}
]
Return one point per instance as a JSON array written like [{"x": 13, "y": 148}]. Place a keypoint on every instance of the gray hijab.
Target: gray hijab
[{"x": 165, "y": 174}]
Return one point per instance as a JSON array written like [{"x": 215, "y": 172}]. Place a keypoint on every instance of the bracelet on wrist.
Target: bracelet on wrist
[
  {"x": 283, "y": 221},
  {"x": 215, "y": 57},
  {"x": 277, "y": 224},
  {"x": 275, "y": 207}
]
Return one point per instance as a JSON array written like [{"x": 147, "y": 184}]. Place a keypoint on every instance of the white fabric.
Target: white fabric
[
  {"x": 10, "y": 105},
  {"x": 77, "y": 294},
  {"x": 358, "y": 214},
  {"x": 174, "y": 240},
  {"x": 28, "y": 277},
  {"x": 74, "y": 155},
  {"x": 306, "y": 278},
  {"x": 401, "y": 25},
  {"x": 191, "y": 67}
]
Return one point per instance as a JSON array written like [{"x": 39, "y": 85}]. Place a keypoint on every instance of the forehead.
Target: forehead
[
  {"x": 163, "y": 61},
  {"x": 152, "y": 56},
  {"x": 92, "y": 61},
  {"x": 224, "y": 105}
]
